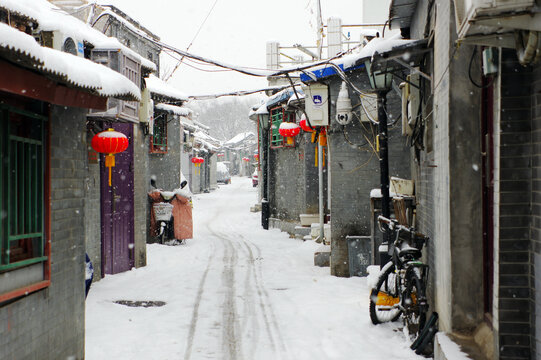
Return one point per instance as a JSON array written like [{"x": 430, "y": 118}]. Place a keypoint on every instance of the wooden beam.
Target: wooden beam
[{"x": 23, "y": 82}]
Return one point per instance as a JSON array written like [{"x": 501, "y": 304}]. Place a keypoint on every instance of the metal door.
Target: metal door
[{"x": 117, "y": 209}]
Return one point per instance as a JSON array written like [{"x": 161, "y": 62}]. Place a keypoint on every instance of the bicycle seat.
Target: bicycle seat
[{"x": 408, "y": 251}]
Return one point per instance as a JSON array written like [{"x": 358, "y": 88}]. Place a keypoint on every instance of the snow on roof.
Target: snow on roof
[
  {"x": 51, "y": 18},
  {"x": 239, "y": 138},
  {"x": 202, "y": 139},
  {"x": 354, "y": 60},
  {"x": 190, "y": 124},
  {"x": 133, "y": 24},
  {"x": 159, "y": 87},
  {"x": 177, "y": 110},
  {"x": 262, "y": 110},
  {"x": 21, "y": 7},
  {"x": 71, "y": 69},
  {"x": 201, "y": 125},
  {"x": 207, "y": 137}
]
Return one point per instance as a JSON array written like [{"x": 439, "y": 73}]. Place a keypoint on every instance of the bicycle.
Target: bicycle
[{"x": 401, "y": 286}]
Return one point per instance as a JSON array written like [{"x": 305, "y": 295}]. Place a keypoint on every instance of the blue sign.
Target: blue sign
[{"x": 317, "y": 100}]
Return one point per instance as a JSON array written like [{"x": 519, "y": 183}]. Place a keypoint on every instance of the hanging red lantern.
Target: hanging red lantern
[
  {"x": 110, "y": 142},
  {"x": 289, "y": 131},
  {"x": 256, "y": 157},
  {"x": 304, "y": 124},
  {"x": 197, "y": 161}
]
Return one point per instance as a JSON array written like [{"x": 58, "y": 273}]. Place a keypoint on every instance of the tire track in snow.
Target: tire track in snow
[
  {"x": 231, "y": 343},
  {"x": 195, "y": 313},
  {"x": 275, "y": 333}
]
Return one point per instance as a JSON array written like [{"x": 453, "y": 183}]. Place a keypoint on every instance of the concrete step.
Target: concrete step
[
  {"x": 302, "y": 230},
  {"x": 322, "y": 256}
]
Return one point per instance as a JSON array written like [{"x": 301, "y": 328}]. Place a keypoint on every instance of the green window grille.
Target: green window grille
[
  {"x": 22, "y": 174},
  {"x": 159, "y": 138},
  {"x": 277, "y": 116}
]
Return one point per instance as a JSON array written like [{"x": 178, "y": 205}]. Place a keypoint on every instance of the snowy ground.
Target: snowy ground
[{"x": 235, "y": 291}]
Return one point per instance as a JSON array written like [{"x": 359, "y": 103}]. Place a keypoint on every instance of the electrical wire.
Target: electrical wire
[
  {"x": 470, "y": 76},
  {"x": 191, "y": 43}
]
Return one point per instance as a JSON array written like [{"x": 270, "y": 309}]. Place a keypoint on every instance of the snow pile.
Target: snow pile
[
  {"x": 159, "y": 87},
  {"x": 72, "y": 69},
  {"x": 450, "y": 348}
]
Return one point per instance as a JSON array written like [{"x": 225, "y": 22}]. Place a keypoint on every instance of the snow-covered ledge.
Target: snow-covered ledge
[{"x": 447, "y": 349}]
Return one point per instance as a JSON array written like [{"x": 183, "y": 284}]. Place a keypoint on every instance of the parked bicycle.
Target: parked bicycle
[{"x": 401, "y": 285}]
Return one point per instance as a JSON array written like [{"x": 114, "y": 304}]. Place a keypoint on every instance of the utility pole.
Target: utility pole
[{"x": 319, "y": 29}]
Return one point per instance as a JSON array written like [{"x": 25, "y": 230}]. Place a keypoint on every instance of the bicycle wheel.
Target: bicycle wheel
[
  {"x": 414, "y": 302},
  {"x": 384, "y": 298}
]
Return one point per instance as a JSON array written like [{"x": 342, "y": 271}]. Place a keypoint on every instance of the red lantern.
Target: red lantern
[
  {"x": 197, "y": 161},
  {"x": 289, "y": 130},
  {"x": 110, "y": 142},
  {"x": 256, "y": 157},
  {"x": 304, "y": 125}
]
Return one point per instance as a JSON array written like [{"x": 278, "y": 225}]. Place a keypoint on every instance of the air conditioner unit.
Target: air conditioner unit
[
  {"x": 63, "y": 42},
  {"x": 485, "y": 17}
]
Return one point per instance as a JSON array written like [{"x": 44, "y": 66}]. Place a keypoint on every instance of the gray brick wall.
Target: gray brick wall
[
  {"x": 515, "y": 275},
  {"x": 536, "y": 212},
  {"x": 355, "y": 171},
  {"x": 287, "y": 181},
  {"x": 49, "y": 324},
  {"x": 92, "y": 213},
  {"x": 141, "y": 203}
]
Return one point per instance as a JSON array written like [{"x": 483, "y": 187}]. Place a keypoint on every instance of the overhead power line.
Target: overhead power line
[{"x": 191, "y": 42}]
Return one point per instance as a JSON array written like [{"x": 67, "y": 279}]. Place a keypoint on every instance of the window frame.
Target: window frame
[
  {"x": 160, "y": 148},
  {"x": 40, "y": 206},
  {"x": 276, "y": 117}
]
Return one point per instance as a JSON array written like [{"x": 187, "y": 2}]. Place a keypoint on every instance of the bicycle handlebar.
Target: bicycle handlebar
[{"x": 393, "y": 224}]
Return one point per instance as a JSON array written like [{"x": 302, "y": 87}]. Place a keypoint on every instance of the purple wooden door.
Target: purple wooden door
[{"x": 117, "y": 209}]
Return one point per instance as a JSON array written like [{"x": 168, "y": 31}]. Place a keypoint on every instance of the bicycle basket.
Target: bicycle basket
[{"x": 162, "y": 211}]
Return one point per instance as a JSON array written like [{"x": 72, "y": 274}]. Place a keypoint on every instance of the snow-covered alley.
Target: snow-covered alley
[{"x": 235, "y": 291}]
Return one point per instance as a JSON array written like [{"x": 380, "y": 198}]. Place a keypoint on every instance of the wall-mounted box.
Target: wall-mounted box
[{"x": 317, "y": 104}]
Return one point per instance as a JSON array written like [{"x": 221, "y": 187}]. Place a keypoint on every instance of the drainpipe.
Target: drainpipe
[
  {"x": 265, "y": 164},
  {"x": 384, "y": 168},
  {"x": 320, "y": 178}
]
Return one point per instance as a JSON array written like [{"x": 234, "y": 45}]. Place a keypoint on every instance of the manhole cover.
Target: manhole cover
[{"x": 144, "y": 303}]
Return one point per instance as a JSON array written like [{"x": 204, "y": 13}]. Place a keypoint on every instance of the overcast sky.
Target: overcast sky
[{"x": 236, "y": 32}]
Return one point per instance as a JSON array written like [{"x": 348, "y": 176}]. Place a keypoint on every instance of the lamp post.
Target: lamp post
[
  {"x": 264, "y": 123},
  {"x": 381, "y": 82}
]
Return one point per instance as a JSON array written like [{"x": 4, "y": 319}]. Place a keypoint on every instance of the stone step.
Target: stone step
[
  {"x": 322, "y": 256},
  {"x": 302, "y": 230}
]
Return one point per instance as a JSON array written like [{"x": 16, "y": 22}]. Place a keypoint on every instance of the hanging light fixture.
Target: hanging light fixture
[{"x": 110, "y": 142}]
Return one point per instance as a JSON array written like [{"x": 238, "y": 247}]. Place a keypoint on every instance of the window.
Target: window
[
  {"x": 158, "y": 141},
  {"x": 23, "y": 248},
  {"x": 277, "y": 116}
]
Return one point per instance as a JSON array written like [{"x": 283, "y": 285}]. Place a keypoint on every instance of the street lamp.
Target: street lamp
[
  {"x": 381, "y": 82},
  {"x": 264, "y": 124}
]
